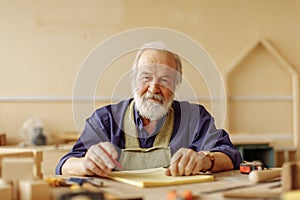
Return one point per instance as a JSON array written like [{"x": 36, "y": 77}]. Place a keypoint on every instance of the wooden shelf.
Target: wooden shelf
[
  {"x": 292, "y": 97},
  {"x": 261, "y": 98}
]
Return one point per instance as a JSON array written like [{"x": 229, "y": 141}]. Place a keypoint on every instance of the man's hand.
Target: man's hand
[
  {"x": 97, "y": 162},
  {"x": 187, "y": 162}
]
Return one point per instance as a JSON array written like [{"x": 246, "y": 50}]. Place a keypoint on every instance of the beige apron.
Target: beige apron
[{"x": 133, "y": 156}]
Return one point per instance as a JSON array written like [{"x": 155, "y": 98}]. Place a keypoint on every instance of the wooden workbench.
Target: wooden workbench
[{"x": 229, "y": 183}]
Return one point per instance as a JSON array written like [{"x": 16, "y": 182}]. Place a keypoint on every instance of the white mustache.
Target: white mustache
[{"x": 149, "y": 95}]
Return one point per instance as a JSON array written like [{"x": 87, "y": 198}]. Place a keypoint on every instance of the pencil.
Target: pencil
[{"x": 114, "y": 160}]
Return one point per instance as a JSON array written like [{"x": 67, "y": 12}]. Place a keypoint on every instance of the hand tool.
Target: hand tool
[{"x": 246, "y": 167}]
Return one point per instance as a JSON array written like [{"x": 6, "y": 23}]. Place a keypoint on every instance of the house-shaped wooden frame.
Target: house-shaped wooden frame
[{"x": 290, "y": 71}]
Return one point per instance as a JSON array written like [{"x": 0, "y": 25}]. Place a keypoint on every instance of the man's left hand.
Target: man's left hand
[{"x": 187, "y": 162}]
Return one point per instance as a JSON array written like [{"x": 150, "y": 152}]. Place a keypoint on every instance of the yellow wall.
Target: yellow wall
[{"x": 44, "y": 42}]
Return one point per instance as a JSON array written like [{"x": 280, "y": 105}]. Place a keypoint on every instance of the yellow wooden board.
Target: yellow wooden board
[{"x": 156, "y": 177}]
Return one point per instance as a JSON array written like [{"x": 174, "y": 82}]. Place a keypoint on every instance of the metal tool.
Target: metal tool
[{"x": 81, "y": 181}]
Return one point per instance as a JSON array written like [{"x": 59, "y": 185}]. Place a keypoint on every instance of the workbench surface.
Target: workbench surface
[{"x": 227, "y": 185}]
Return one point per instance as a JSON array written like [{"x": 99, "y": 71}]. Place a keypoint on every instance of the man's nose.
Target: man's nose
[{"x": 154, "y": 87}]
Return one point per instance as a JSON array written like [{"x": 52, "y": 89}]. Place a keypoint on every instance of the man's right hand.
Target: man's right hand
[{"x": 95, "y": 161}]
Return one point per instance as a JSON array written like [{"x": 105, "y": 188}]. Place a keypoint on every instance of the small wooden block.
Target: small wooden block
[
  {"x": 34, "y": 190},
  {"x": 5, "y": 190},
  {"x": 17, "y": 168},
  {"x": 290, "y": 176}
]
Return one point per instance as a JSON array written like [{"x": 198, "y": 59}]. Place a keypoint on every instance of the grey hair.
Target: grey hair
[{"x": 156, "y": 46}]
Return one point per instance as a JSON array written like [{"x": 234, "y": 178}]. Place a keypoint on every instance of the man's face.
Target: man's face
[{"x": 155, "y": 83}]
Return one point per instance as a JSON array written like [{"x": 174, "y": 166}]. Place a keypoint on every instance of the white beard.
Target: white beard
[{"x": 149, "y": 109}]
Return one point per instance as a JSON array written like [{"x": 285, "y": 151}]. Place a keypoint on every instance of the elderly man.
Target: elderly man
[{"x": 152, "y": 129}]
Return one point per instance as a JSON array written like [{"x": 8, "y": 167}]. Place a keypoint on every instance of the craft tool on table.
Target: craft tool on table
[
  {"x": 58, "y": 181},
  {"x": 246, "y": 167},
  {"x": 185, "y": 195}
]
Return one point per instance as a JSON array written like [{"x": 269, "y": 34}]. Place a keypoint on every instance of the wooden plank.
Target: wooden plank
[{"x": 270, "y": 190}]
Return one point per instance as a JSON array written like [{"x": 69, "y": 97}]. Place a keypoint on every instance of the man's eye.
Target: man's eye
[
  {"x": 146, "y": 78},
  {"x": 164, "y": 81}
]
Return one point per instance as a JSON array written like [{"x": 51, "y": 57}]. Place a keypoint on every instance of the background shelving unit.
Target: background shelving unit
[{"x": 263, "y": 64}]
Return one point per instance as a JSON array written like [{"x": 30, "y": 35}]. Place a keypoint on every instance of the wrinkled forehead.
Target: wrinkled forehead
[
  {"x": 152, "y": 57},
  {"x": 156, "y": 69}
]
